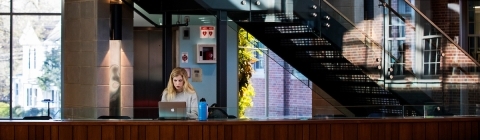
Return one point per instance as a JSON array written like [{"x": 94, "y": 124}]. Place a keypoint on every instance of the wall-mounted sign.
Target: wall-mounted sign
[
  {"x": 207, "y": 31},
  {"x": 184, "y": 57},
  {"x": 196, "y": 74}
]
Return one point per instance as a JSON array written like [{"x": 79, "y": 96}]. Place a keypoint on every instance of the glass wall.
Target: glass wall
[{"x": 30, "y": 62}]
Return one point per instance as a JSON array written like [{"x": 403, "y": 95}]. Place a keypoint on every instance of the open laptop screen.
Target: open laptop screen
[{"x": 172, "y": 110}]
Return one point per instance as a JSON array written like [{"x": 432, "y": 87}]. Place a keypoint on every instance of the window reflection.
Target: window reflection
[
  {"x": 36, "y": 65},
  {"x": 4, "y": 66},
  {"x": 39, "y": 6},
  {"x": 4, "y": 6}
]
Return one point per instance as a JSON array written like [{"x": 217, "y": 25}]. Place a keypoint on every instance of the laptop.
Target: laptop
[{"x": 172, "y": 110}]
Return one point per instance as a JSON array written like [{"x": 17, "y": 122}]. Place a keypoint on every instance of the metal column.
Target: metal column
[{"x": 221, "y": 58}]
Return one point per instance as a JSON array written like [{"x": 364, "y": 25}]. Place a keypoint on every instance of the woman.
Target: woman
[{"x": 180, "y": 90}]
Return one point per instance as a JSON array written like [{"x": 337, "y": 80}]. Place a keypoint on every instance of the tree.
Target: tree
[
  {"x": 51, "y": 70},
  {"x": 246, "y": 91}
]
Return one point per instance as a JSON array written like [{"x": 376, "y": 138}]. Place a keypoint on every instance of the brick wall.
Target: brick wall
[
  {"x": 445, "y": 19},
  {"x": 287, "y": 96},
  {"x": 455, "y": 64}
]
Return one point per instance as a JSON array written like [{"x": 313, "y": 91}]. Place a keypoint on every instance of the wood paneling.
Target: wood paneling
[
  {"x": 167, "y": 132},
  {"x": 281, "y": 132},
  {"x": 266, "y": 132},
  {"x": 238, "y": 132},
  {"x": 431, "y": 129},
  {"x": 195, "y": 132},
  {"x": 119, "y": 133},
  {"x": 405, "y": 132},
  {"x": 252, "y": 132},
  {"x": 306, "y": 132},
  {"x": 21, "y": 132},
  {"x": 418, "y": 131},
  {"x": 468, "y": 132},
  {"x": 445, "y": 130},
  {"x": 461, "y": 130},
  {"x": 141, "y": 132},
  {"x": 299, "y": 132},
  {"x": 474, "y": 131},
  {"x": 127, "y": 133},
  {"x": 291, "y": 132},
  {"x": 94, "y": 132},
  {"x": 54, "y": 132},
  {"x": 364, "y": 131},
  {"x": 312, "y": 131},
  {"x": 153, "y": 132},
  {"x": 7, "y": 132},
  {"x": 213, "y": 132},
  {"x": 47, "y": 133},
  {"x": 108, "y": 132},
  {"x": 381, "y": 129},
  {"x": 80, "y": 132},
  {"x": 39, "y": 135},
  {"x": 181, "y": 132},
  {"x": 323, "y": 131},
  {"x": 206, "y": 132},
  {"x": 455, "y": 130},
  {"x": 350, "y": 131},
  {"x": 336, "y": 131},
  {"x": 31, "y": 132},
  {"x": 65, "y": 132}
]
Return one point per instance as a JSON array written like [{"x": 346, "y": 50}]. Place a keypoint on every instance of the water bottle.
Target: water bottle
[{"x": 202, "y": 110}]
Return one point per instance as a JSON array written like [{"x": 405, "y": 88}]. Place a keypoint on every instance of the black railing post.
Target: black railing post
[
  {"x": 167, "y": 47},
  {"x": 221, "y": 58}
]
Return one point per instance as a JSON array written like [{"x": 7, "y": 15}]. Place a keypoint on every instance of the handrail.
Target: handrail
[
  {"x": 148, "y": 19},
  {"x": 441, "y": 31},
  {"x": 141, "y": 14}
]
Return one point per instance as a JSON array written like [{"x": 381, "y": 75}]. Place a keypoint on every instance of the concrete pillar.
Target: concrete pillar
[{"x": 86, "y": 59}]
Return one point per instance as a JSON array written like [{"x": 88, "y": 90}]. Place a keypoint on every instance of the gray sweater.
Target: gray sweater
[{"x": 189, "y": 98}]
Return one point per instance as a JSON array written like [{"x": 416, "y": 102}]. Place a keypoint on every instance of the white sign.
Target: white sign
[
  {"x": 207, "y": 32},
  {"x": 196, "y": 75},
  {"x": 184, "y": 57}
]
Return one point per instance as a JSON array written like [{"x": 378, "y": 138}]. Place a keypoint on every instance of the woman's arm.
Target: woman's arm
[
  {"x": 193, "y": 113},
  {"x": 164, "y": 96}
]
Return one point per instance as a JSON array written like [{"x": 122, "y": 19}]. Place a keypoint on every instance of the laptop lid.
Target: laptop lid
[{"x": 172, "y": 110}]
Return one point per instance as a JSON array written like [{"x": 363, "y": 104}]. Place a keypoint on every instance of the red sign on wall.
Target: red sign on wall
[{"x": 207, "y": 32}]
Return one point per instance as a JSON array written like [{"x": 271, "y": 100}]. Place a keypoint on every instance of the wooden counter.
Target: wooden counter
[{"x": 334, "y": 129}]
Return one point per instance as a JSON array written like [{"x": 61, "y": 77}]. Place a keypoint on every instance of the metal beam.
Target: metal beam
[{"x": 221, "y": 58}]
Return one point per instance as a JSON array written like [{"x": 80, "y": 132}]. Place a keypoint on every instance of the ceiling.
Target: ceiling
[
  {"x": 174, "y": 6},
  {"x": 194, "y": 20},
  {"x": 179, "y": 8}
]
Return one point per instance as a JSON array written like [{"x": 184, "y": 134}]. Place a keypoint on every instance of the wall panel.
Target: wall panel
[{"x": 369, "y": 129}]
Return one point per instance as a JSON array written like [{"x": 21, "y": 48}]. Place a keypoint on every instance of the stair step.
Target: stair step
[
  {"x": 274, "y": 17},
  {"x": 340, "y": 72},
  {"x": 305, "y": 41},
  {"x": 348, "y": 83},
  {"x": 312, "y": 49}
]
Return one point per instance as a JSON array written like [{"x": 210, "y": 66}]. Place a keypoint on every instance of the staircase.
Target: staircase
[
  {"x": 311, "y": 41},
  {"x": 323, "y": 63}
]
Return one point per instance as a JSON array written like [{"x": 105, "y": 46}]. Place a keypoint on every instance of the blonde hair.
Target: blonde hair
[{"x": 187, "y": 87}]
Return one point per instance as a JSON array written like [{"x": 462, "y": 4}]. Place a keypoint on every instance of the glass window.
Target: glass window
[
  {"x": 38, "y": 6},
  {"x": 36, "y": 61},
  {"x": 431, "y": 56},
  {"x": 397, "y": 60},
  {"x": 4, "y": 6},
  {"x": 4, "y": 65}
]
